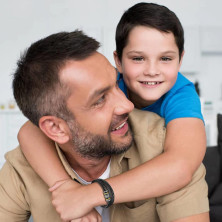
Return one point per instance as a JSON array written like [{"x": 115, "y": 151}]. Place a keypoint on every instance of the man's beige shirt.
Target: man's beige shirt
[{"x": 22, "y": 192}]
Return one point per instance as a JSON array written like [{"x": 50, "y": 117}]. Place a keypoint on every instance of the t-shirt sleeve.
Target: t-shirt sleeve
[
  {"x": 188, "y": 201},
  {"x": 181, "y": 104}
]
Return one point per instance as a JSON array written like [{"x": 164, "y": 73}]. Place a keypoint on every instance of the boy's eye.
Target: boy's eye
[
  {"x": 138, "y": 59},
  {"x": 100, "y": 101},
  {"x": 166, "y": 59}
]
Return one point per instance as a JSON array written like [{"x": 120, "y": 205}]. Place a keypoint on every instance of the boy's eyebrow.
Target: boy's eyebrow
[
  {"x": 170, "y": 51},
  {"x": 134, "y": 51},
  {"x": 140, "y": 52}
]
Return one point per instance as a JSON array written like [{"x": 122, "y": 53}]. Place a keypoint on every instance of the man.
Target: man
[{"x": 69, "y": 90}]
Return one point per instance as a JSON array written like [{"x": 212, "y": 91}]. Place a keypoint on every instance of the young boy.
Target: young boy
[{"x": 149, "y": 53}]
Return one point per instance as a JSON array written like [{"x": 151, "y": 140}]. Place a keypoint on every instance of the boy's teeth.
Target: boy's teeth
[
  {"x": 119, "y": 127},
  {"x": 151, "y": 83}
]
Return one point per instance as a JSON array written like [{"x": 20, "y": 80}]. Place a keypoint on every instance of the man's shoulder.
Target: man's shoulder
[
  {"x": 149, "y": 135},
  {"x": 23, "y": 191},
  {"x": 21, "y": 173},
  {"x": 143, "y": 122},
  {"x": 15, "y": 157},
  {"x": 17, "y": 164}
]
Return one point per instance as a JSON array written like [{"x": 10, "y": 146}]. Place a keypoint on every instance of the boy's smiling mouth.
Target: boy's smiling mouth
[{"x": 150, "y": 83}]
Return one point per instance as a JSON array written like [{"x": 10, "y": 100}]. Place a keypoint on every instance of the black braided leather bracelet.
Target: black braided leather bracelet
[{"x": 107, "y": 192}]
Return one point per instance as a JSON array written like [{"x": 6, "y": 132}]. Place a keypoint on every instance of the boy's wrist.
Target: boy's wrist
[
  {"x": 58, "y": 184},
  {"x": 107, "y": 192},
  {"x": 95, "y": 195},
  {"x": 93, "y": 192}
]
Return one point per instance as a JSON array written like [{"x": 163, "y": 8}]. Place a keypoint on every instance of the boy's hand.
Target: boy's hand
[{"x": 72, "y": 201}]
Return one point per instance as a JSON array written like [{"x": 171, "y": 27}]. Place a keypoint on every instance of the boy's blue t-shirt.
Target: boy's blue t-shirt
[{"x": 180, "y": 101}]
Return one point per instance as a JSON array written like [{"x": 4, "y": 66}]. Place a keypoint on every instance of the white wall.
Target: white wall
[{"x": 25, "y": 21}]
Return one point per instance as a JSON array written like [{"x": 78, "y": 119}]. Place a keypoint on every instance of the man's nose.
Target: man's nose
[{"x": 122, "y": 104}]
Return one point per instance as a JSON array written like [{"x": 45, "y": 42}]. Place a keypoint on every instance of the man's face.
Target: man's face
[{"x": 99, "y": 107}]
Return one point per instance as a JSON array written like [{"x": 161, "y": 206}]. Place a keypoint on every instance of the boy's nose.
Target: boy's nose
[{"x": 151, "y": 69}]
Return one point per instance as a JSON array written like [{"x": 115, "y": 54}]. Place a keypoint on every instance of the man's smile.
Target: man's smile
[
  {"x": 121, "y": 129},
  {"x": 120, "y": 126}
]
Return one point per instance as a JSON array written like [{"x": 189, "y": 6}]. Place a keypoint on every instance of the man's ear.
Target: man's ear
[
  {"x": 117, "y": 62},
  {"x": 55, "y": 128}
]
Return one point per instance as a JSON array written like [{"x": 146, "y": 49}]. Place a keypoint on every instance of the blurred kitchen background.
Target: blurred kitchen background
[{"x": 25, "y": 21}]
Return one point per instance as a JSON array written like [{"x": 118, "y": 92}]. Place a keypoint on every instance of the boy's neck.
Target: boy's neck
[{"x": 137, "y": 101}]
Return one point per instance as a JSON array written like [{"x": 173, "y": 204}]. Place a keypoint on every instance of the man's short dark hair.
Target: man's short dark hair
[
  {"x": 151, "y": 15},
  {"x": 37, "y": 88}
]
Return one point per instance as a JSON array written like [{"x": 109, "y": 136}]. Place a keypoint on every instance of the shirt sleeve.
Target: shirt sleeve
[
  {"x": 188, "y": 201},
  {"x": 181, "y": 104},
  {"x": 13, "y": 204}
]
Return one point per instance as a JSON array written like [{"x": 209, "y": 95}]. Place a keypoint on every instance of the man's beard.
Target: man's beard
[{"x": 93, "y": 146}]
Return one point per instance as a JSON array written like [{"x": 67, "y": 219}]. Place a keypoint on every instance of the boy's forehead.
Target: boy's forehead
[{"x": 143, "y": 36}]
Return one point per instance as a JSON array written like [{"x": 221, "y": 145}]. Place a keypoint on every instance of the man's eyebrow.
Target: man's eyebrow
[{"x": 97, "y": 92}]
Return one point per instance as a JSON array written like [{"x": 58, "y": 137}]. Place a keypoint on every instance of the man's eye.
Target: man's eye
[
  {"x": 165, "y": 59},
  {"x": 100, "y": 101},
  {"x": 138, "y": 59}
]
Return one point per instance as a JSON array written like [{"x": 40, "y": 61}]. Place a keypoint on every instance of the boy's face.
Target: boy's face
[{"x": 150, "y": 63}]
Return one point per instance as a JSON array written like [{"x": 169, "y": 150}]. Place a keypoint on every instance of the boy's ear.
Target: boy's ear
[
  {"x": 55, "y": 128},
  {"x": 117, "y": 62}
]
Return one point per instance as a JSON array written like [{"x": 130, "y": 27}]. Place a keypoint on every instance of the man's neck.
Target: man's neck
[{"x": 87, "y": 169}]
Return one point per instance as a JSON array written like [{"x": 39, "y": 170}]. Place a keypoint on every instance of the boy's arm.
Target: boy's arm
[
  {"x": 184, "y": 151},
  {"x": 184, "y": 147},
  {"x": 41, "y": 154}
]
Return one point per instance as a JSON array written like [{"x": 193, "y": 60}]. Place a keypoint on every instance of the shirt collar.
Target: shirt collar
[{"x": 65, "y": 163}]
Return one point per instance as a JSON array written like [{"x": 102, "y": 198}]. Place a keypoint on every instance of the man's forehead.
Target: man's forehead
[
  {"x": 90, "y": 67},
  {"x": 90, "y": 77}
]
